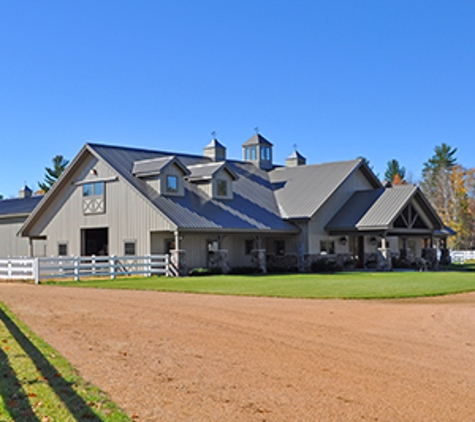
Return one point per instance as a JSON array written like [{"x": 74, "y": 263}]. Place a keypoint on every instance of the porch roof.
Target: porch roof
[{"x": 376, "y": 210}]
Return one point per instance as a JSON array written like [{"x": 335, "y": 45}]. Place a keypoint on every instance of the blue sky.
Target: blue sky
[{"x": 382, "y": 79}]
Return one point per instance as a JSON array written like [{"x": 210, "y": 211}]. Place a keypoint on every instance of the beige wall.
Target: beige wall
[
  {"x": 316, "y": 226},
  {"x": 16, "y": 246},
  {"x": 128, "y": 216}
]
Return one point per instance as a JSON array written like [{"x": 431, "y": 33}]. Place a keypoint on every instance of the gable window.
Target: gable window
[
  {"x": 93, "y": 198},
  {"x": 129, "y": 247},
  {"x": 327, "y": 247},
  {"x": 222, "y": 187},
  {"x": 172, "y": 184}
]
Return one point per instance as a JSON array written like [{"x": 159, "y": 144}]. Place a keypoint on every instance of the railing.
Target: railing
[
  {"x": 462, "y": 256},
  {"x": 17, "y": 269},
  {"x": 80, "y": 267}
]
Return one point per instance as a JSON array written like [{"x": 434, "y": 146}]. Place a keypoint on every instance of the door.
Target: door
[{"x": 95, "y": 242}]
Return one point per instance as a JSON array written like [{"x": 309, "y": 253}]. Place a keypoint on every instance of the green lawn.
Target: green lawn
[
  {"x": 347, "y": 285},
  {"x": 37, "y": 384}
]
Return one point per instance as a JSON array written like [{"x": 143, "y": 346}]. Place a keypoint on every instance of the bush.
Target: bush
[
  {"x": 197, "y": 272},
  {"x": 323, "y": 265},
  {"x": 244, "y": 270}
]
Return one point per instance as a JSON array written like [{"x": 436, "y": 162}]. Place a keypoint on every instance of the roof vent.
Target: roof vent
[
  {"x": 295, "y": 159},
  {"x": 215, "y": 150},
  {"x": 25, "y": 192}
]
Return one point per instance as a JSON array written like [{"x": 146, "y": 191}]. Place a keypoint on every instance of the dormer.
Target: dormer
[
  {"x": 164, "y": 174},
  {"x": 215, "y": 150},
  {"x": 258, "y": 150},
  {"x": 215, "y": 180}
]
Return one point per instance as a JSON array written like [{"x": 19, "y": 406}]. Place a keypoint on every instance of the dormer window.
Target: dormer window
[
  {"x": 172, "y": 184},
  {"x": 222, "y": 187}
]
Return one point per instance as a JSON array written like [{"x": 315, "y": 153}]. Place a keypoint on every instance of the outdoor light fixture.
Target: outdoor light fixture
[{"x": 343, "y": 240}]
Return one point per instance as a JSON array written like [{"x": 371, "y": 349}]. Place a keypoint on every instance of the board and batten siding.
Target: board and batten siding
[
  {"x": 316, "y": 227},
  {"x": 127, "y": 216}
]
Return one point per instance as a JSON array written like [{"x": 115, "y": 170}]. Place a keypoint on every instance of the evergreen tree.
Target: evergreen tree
[
  {"x": 52, "y": 174},
  {"x": 394, "y": 173}
]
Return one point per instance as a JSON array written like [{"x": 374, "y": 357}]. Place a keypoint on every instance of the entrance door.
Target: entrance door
[
  {"x": 95, "y": 242},
  {"x": 357, "y": 250}
]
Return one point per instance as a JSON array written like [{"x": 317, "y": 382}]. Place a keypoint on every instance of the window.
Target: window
[
  {"x": 93, "y": 189},
  {"x": 93, "y": 198},
  {"x": 62, "y": 249},
  {"x": 250, "y": 153},
  {"x": 265, "y": 153},
  {"x": 129, "y": 247},
  {"x": 279, "y": 247},
  {"x": 172, "y": 184},
  {"x": 327, "y": 247},
  {"x": 222, "y": 187},
  {"x": 248, "y": 246}
]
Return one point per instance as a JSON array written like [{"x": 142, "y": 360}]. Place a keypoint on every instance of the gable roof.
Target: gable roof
[
  {"x": 257, "y": 139},
  {"x": 377, "y": 209},
  {"x": 207, "y": 171},
  {"x": 154, "y": 166},
  {"x": 301, "y": 191},
  {"x": 18, "y": 206}
]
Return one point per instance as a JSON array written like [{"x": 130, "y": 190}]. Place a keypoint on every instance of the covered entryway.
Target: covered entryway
[{"x": 95, "y": 242}]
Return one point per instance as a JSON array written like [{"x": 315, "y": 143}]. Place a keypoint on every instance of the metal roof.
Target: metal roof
[
  {"x": 155, "y": 166},
  {"x": 207, "y": 171},
  {"x": 18, "y": 206},
  {"x": 257, "y": 139},
  {"x": 300, "y": 191},
  {"x": 377, "y": 209},
  {"x": 253, "y": 205}
]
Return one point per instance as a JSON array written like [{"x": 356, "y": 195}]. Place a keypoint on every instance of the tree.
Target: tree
[
  {"x": 52, "y": 174},
  {"x": 394, "y": 172},
  {"x": 449, "y": 188}
]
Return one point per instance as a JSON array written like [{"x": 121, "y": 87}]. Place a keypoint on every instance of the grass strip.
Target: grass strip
[
  {"x": 38, "y": 384},
  {"x": 344, "y": 285}
]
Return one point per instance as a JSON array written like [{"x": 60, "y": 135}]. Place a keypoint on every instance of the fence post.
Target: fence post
[
  {"x": 148, "y": 267},
  {"x": 112, "y": 265},
  {"x": 9, "y": 268},
  {"x": 76, "y": 268},
  {"x": 36, "y": 270},
  {"x": 167, "y": 265}
]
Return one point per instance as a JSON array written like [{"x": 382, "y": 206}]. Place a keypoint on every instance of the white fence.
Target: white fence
[
  {"x": 462, "y": 256},
  {"x": 80, "y": 267}
]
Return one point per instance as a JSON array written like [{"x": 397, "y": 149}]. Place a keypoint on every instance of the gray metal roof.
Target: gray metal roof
[
  {"x": 155, "y": 166},
  {"x": 19, "y": 206},
  {"x": 215, "y": 144},
  {"x": 253, "y": 206},
  {"x": 301, "y": 191},
  {"x": 377, "y": 209},
  {"x": 208, "y": 170},
  {"x": 257, "y": 139}
]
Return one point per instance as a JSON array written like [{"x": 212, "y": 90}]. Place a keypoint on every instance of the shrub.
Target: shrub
[
  {"x": 244, "y": 270},
  {"x": 323, "y": 265},
  {"x": 197, "y": 272}
]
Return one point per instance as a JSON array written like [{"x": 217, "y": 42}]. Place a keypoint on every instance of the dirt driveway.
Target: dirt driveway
[{"x": 183, "y": 357}]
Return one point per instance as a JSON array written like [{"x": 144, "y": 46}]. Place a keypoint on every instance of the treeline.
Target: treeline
[{"x": 450, "y": 188}]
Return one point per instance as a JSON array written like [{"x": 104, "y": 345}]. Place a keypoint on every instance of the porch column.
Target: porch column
[
  {"x": 384, "y": 262},
  {"x": 178, "y": 258},
  {"x": 260, "y": 255}
]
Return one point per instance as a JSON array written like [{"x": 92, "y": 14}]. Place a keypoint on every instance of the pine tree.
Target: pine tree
[
  {"x": 394, "y": 173},
  {"x": 52, "y": 174}
]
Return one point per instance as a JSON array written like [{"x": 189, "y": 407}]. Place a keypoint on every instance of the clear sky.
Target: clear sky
[{"x": 382, "y": 79}]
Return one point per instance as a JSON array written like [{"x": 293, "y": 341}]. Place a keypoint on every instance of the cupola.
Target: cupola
[
  {"x": 295, "y": 159},
  {"x": 25, "y": 192},
  {"x": 215, "y": 150},
  {"x": 258, "y": 150}
]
